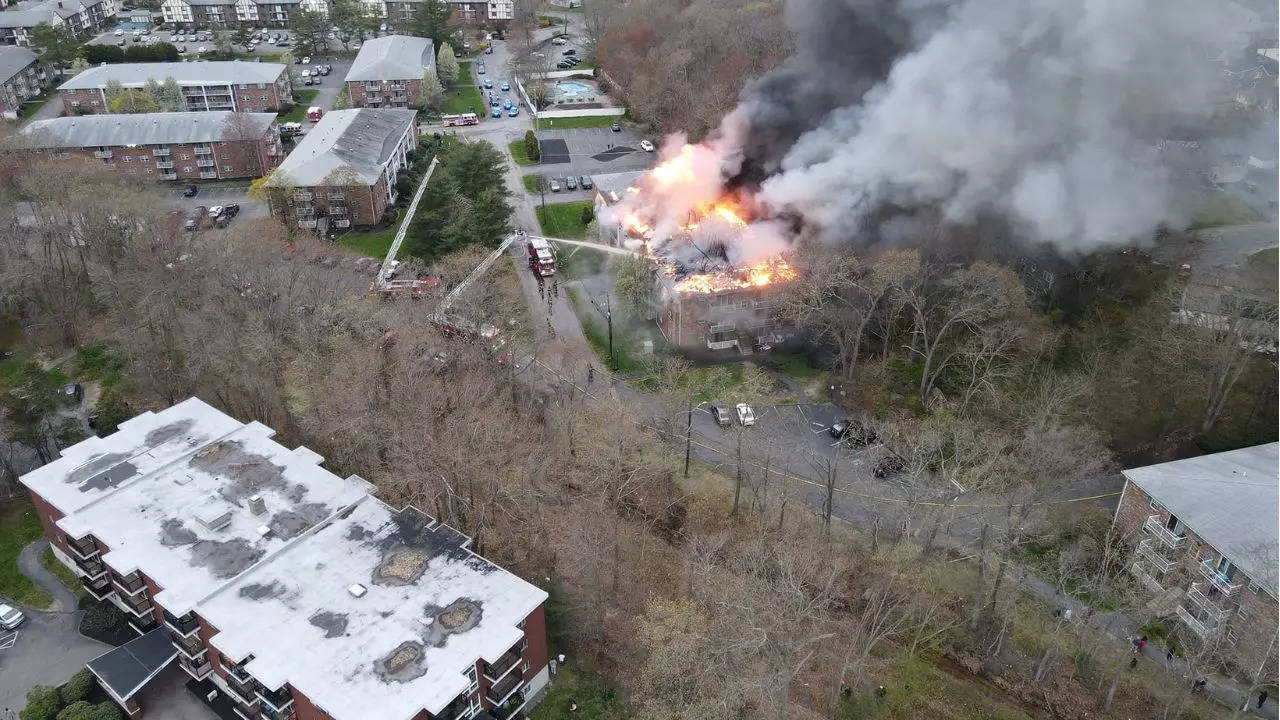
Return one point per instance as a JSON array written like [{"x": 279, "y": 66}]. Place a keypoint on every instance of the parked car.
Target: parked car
[
  {"x": 182, "y": 49},
  {"x": 308, "y": 81},
  {"x": 326, "y": 69},
  {"x": 555, "y": 185},
  {"x": 496, "y": 112},
  {"x": 306, "y": 60},
  {"x": 723, "y": 417},
  {"x": 646, "y": 146},
  {"x": 118, "y": 32},
  {"x": 10, "y": 617},
  {"x": 215, "y": 211},
  {"x": 488, "y": 50},
  {"x": 571, "y": 183},
  {"x": 508, "y": 104},
  {"x": 559, "y": 41},
  {"x": 570, "y": 51},
  {"x": 746, "y": 416},
  {"x": 488, "y": 84},
  {"x": 513, "y": 111},
  {"x": 616, "y": 127},
  {"x": 562, "y": 65},
  {"x": 190, "y": 191},
  {"x": 315, "y": 80},
  {"x": 505, "y": 86},
  {"x": 231, "y": 210},
  {"x": 222, "y": 221},
  {"x": 493, "y": 102},
  {"x": 585, "y": 182},
  {"x": 480, "y": 69}
]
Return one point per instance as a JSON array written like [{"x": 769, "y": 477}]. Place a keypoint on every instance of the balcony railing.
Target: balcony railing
[
  {"x": 198, "y": 670},
  {"x": 275, "y": 700},
  {"x": 1156, "y": 527},
  {"x": 204, "y": 161},
  {"x": 1192, "y": 622},
  {"x": 503, "y": 665},
  {"x": 102, "y": 154},
  {"x": 1146, "y": 578},
  {"x": 141, "y": 609},
  {"x": 342, "y": 223},
  {"x": 161, "y": 151},
  {"x": 501, "y": 690},
  {"x": 338, "y": 210},
  {"x": 191, "y": 646},
  {"x": 302, "y": 196},
  {"x": 1147, "y": 550},
  {"x": 307, "y": 223},
  {"x": 269, "y": 713},
  {"x": 92, "y": 568},
  {"x": 1216, "y": 613},
  {"x": 243, "y": 690},
  {"x": 100, "y": 588},
  {"x": 164, "y": 165},
  {"x": 184, "y": 626},
  {"x": 208, "y": 175},
  {"x": 204, "y": 151},
  {"x": 85, "y": 548},
  {"x": 1209, "y": 569}
]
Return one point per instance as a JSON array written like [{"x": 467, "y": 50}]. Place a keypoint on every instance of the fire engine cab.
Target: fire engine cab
[{"x": 541, "y": 260}]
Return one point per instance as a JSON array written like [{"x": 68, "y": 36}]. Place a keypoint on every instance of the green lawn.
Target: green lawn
[
  {"x": 595, "y": 701},
  {"x": 302, "y": 98},
  {"x": 577, "y": 262},
  {"x": 464, "y": 74},
  {"x": 518, "y": 154},
  {"x": 919, "y": 689},
  {"x": 530, "y": 181},
  {"x": 574, "y": 123},
  {"x": 563, "y": 219},
  {"x": 33, "y": 105},
  {"x": 62, "y": 572},
  {"x": 19, "y": 527},
  {"x": 627, "y": 351},
  {"x": 374, "y": 244},
  {"x": 1218, "y": 209},
  {"x": 464, "y": 99}
]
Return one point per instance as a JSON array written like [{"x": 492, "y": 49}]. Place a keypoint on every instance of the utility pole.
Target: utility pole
[
  {"x": 607, "y": 312},
  {"x": 688, "y": 438}
]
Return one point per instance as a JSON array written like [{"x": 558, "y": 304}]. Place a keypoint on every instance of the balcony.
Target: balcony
[
  {"x": 198, "y": 670},
  {"x": 339, "y": 210},
  {"x": 243, "y": 691},
  {"x": 204, "y": 151},
  {"x": 92, "y": 568},
  {"x": 503, "y": 665},
  {"x": 204, "y": 161},
  {"x": 139, "y": 608},
  {"x": 191, "y": 646},
  {"x": 142, "y": 625},
  {"x": 100, "y": 589},
  {"x": 1214, "y": 613},
  {"x": 133, "y": 588},
  {"x": 209, "y": 175},
  {"x": 1156, "y": 527},
  {"x": 1147, "y": 550},
  {"x": 1223, "y": 584},
  {"x": 307, "y": 223},
  {"x": 169, "y": 176},
  {"x": 285, "y": 713},
  {"x": 184, "y": 626},
  {"x": 500, "y": 691},
  {"x": 1190, "y": 620},
  {"x": 85, "y": 548},
  {"x": 102, "y": 154},
  {"x": 275, "y": 700},
  {"x": 302, "y": 196},
  {"x": 1146, "y": 578},
  {"x": 164, "y": 165},
  {"x": 161, "y": 151},
  {"x": 343, "y": 223}
]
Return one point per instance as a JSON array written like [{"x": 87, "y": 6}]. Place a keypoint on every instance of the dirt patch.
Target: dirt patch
[
  {"x": 402, "y": 664},
  {"x": 457, "y": 617},
  {"x": 401, "y": 567}
]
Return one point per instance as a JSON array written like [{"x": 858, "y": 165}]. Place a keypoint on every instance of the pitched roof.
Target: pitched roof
[
  {"x": 30, "y": 14},
  {"x": 143, "y": 129},
  {"x": 185, "y": 73},
  {"x": 394, "y": 57},
  {"x": 360, "y": 140},
  {"x": 14, "y": 60},
  {"x": 1229, "y": 499}
]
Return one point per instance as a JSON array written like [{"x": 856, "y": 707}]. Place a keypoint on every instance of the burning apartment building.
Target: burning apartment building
[{"x": 717, "y": 272}]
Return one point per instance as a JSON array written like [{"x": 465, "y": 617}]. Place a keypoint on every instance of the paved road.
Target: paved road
[{"x": 48, "y": 648}]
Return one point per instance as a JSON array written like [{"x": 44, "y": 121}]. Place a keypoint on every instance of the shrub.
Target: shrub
[
  {"x": 43, "y": 703},
  {"x": 77, "y": 688},
  {"x": 82, "y": 710},
  {"x": 587, "y": 214},
  {"x": 531, "y": 148},
  {"x": 101, "y": 618},
  {"x": 112, "y": 409}
]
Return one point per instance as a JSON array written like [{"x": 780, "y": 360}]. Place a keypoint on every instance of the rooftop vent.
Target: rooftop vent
[
  {"x": 263, "y": 531},
  {"x": 257, "y": 505},
  {"x": 357, "y": 590},
  {"x": 214, "y": 515}
]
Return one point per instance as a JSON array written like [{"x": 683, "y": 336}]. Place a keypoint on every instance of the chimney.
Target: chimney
[{"x": 257, "y": 505}]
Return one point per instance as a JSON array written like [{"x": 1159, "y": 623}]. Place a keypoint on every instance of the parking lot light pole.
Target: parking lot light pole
[{"x": 688, "y": 435}]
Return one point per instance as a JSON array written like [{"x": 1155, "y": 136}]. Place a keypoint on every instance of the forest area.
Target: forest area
[{"x": 686, "y": 599}]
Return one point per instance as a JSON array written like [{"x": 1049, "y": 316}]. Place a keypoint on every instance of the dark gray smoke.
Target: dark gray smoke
[{"x": 1048, "y": 113}]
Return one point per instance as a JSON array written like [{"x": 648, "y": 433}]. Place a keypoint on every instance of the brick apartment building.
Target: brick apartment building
[
  {"x": 22, "y": 77},
  {"x": 165, "y": 146},
  {"x": 82, "y": 17},
  {"x": 491, "y": 12},
  {"x": 206, "y": 86},
  {"x": 388, "y": 71},
  {"x": 1205, "y": 537},
  {"x": 285, "y": 591},
  {"x": 344, "y": 171}
]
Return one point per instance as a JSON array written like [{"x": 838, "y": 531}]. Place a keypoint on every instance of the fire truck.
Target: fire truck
[
  {"x": 541, "y": 260},
  {"x": 463, "y": 119}
]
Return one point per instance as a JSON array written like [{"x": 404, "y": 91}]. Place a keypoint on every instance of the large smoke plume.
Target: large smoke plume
[{"x": 1046, "y": 113}]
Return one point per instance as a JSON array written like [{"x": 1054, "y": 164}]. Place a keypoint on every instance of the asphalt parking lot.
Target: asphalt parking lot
[
  {"x": 192, "y": 46},
  {"x": 588, "y": 151}
]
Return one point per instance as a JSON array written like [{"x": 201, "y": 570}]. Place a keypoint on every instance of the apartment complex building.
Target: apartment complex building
[
  {"x": 479, "y": 11},
  {"x": 211, "y": 86},
  {"x": 388, "y": 71},
  {"x": 344, "y": 171},
  {"x": 229, "y": 13},
  {"x": 165, "y": 146},
  {"x": 1205, "y": 537},
  {"x": 22, "y": 77},
  {"x": 289, "y": 591},
  {"x": 82, "y": 17}
]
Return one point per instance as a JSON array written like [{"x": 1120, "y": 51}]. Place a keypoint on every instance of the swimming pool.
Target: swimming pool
[{"x": 570, "y": 90}]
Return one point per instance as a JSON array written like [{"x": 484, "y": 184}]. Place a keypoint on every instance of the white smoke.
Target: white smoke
[{"x": 1047, "y": 112}]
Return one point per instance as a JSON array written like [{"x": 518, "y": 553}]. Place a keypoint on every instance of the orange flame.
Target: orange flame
[{"x": 762, "y": 274}]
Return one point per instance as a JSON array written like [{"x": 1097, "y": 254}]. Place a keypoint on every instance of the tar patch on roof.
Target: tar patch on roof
[
  {"x": 248, "y": 472},
  {"x": 460, "y": 616},
  {"x": 225, "y": 558},
  {"x": 333, "y": 624},
  {"x": 402, "y": 664}
]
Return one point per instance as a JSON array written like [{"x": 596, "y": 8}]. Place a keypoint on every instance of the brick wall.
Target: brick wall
[
  {"x": 79, "y": 102},
  {"x": 249, "y": 97},
  {"x": 232, "y": 159},
  {"x": 49, "y": 517},
  {"x": 385, "y": 95},
  {"x": 535, "y": 632}
]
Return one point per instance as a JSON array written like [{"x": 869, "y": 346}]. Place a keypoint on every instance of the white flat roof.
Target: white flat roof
[
  {"x": 149, "y": 491},
  {"x": 430, "y": 609},
  {"x": 1229, "y": 499}
]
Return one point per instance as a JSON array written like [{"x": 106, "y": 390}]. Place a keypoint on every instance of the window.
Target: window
[
  {"x": 150, "y": 171},
  {"x": 1232, "y": 637},
  {"x": 524, "y": 668},
  {"x": 262, "y": 86},
  {"x": 75, "y": 103},
  {"x": 263, "y": 98},
  {"x": 1151, "y": 503},
  {"x": 228, "y": 168},
  {"x": 225, "y": 156},
  {"x": 1243, "y": 612},
  {"x": 186, "y": 168},
  {"x": 472, "y": 683},
  {"x": 126, "y": 158},
  {"x": 186, "y": 156}
]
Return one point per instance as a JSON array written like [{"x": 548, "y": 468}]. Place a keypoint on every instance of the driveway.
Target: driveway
[
  {"x": 167, "y": 698},
  {"x": 48, "y": 649},
  {"x": 210, "y": 195}
]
